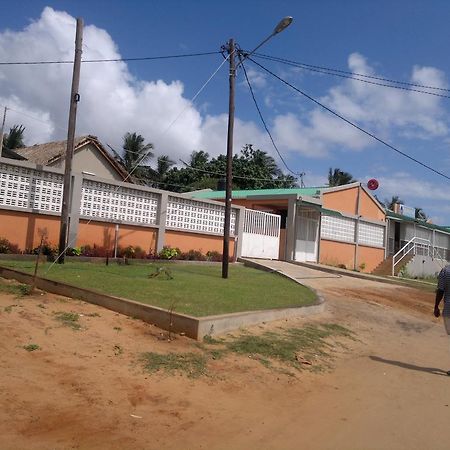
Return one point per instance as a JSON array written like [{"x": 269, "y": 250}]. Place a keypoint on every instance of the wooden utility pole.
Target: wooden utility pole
[
  {"x": 229, "y": 174},
  {"x": 2, "y": 132},
  {"x": 74, "y": 99}
]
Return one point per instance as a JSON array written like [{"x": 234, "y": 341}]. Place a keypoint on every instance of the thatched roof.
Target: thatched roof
[
  {"x": 8, "y": 153},
  {"x": 51, "y": 152}
]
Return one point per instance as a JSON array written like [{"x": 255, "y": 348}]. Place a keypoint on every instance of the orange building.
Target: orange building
[{"x": 340, "y": 226}]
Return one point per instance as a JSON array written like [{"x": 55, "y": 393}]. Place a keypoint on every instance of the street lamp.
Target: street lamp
[{"x": 231, "y": 49}]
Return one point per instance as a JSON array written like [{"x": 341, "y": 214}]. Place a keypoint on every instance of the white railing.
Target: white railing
[
  {"x": 261, "y": 234},
  {"x": 415, "y": 246}
]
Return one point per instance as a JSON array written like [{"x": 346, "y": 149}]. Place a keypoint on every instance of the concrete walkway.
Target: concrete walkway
[
  {"x": 304, "y": 271},
  {"x": 318, "y": 279}
]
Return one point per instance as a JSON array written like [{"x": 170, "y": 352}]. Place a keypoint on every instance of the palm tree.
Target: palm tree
[
  {"x": 159, "y": 175},
  {"x": 164, "y": 163},
  {"x": 136, "y": 154},
  {"x": 199, "y": 159},
  {"x": 14, "y": 139},
  {"x": 420, "y": 214},
  {"x": 338, "y": 177}
]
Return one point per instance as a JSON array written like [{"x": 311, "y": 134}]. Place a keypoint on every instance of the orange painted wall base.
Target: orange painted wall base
[
  {"x": 342, "y": 253},
  {"x": 24, "y": 230}
]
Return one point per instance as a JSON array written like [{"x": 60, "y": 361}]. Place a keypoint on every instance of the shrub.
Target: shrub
[
  {"x": 7, "y": 247},
  {"x": 131, "y": 252},
  {"x": 94, "y": 251},
  {"x": 169, "y": 253},
  {"x": 47, "y": 249},
  {"x": 214, "y": 256},
  {"x": 192, "y": 255},
  {"x": 75, "y": 251}
]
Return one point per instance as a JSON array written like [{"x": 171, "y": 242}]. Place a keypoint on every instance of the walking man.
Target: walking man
[{"x": 443, "y": 291}]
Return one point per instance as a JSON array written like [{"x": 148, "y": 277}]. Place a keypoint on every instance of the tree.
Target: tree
[
  {"x": 389, "y": 204},
  {"x": 338, "y": 177},
  {"x": 159, "y": 175},
  {"x": 136, "y": 154},
  {"x": 420, "y": 214},
  {"x": 14, "y": 139},
  {"x": 164, "y": 163},
  {"x": 252, "y": 169}
]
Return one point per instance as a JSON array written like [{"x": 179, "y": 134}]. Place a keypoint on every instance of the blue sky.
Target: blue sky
[{"x": 402, "y": 40}]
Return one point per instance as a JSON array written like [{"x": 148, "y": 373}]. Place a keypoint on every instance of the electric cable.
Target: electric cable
[
  {"x": 264, "y": 122},
  {"x": 233, "y": 176},
  {"x": 145, "y": 155},
  {"x": 358, "y": 79},
  {"x": 373, "y": 77},
  {"x": 373, "y": 136},
  {"x": 143, "y": 58}
]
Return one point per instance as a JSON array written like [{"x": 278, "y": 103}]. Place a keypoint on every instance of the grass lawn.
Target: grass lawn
[{"x": 196, "y": 289}]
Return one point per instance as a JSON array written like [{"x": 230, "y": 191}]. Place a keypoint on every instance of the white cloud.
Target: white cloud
[
  {"x": 410, "y": 188},
  {"x": 382, "y": 111},
  {"x": 113, "y": 101},
  {"x": 214, "y": 135},
  {"x": 257, "y": 79}
]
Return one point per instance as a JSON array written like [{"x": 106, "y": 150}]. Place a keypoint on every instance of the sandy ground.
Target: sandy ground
[{"x": 386, "y": 390}]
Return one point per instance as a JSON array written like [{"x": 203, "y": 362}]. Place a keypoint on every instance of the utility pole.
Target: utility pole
[
  {"x": 74, "y": 99},
  {"x": 283, "y": 24},
  {"x": 2, "y": 132},
  {"x": 229, "y": 174}
]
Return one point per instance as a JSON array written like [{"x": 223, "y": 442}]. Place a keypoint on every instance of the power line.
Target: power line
[
  {"x": 350, "y": 122},
  {"x": 234, "y": 176},
  {"x": 373, "y": 77},
  {"x": 34, "y": 118},
  {"x": 143, "y": 58},
  {"x": 139, "y": 161},
  {"x": 264, "y": 122},
  {"x": 301, "y": 66}
]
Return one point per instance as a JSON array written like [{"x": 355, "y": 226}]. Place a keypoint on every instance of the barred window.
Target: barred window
[
  {"x": 339, "y": 228},
  {"x": 371, "y": 234}
]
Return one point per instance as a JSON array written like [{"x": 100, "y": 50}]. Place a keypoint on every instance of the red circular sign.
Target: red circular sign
[{"x": 372, "y": 184}]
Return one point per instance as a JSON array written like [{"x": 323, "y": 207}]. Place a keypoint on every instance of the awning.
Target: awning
[{"x": 329, "y": 212}]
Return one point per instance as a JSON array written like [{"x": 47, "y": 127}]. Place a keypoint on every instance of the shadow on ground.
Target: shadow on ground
[{"x": 403, "y": 365}]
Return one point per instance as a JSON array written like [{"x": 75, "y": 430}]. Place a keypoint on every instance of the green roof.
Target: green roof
[
  {"x": 431, "y": 226},
  {"x": 309, "y": 192}
]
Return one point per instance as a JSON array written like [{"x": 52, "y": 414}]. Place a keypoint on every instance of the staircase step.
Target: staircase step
[{"x": 385, "y": 267}]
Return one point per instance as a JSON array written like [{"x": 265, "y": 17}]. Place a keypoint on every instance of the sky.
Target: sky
[{"x": 181, "y": 104}]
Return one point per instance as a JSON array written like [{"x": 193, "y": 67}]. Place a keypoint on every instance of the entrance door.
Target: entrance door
[
  {"x": 397, "y": 237},
  {"x": 307, "y": 235}
]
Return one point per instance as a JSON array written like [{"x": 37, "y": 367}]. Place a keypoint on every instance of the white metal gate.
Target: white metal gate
[
  {"x": 307, "y": 235},
  {"x": 261, "y": 236}
]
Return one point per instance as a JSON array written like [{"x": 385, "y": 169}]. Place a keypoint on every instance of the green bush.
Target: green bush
[
  {"x": 214, "y": 256},
  {"x": 94, "y": 251},
  {"x": 7, "y": 247},
  {"x": 131, "y": 252},
  {"x": 192, "y": 255},
  {"x": 169, "y": 253},
  {"x": 75, "y": 251}
]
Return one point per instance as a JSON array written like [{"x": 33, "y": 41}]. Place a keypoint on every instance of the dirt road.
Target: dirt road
[{"x": 85, "y": 389}]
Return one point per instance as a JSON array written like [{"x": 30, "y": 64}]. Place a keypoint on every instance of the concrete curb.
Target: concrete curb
[
  {"x": 102, "y": 260},
  {"x": 162, "y": 318},
  {"x": 349, "y": 273},
  {"x": 193, "y": 327},
  {"x": 259, "y": 266}
]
